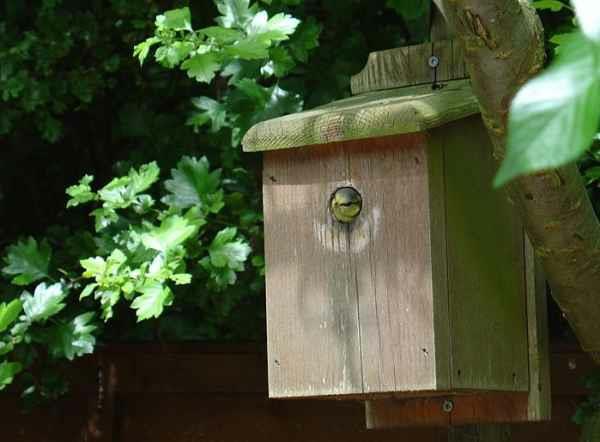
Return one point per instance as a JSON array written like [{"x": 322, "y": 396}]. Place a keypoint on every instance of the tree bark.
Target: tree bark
[{"x": 504, "y": 47}]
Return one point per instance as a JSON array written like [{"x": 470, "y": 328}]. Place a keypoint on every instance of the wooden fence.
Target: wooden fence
[{"x": 192, "y": 393}]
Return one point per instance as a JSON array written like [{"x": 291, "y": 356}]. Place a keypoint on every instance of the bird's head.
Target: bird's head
[{"x": 346, "y": 204}]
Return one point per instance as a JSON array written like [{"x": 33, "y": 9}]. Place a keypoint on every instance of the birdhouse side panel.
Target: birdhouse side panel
[{"x": 486, "y": 268}]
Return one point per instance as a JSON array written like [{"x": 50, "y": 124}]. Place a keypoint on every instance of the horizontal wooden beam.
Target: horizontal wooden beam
[{"x": 222, "y": 368}]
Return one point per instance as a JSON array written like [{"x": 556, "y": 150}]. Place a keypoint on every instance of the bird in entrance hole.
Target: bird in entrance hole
[{"x": 345, "y": 204}]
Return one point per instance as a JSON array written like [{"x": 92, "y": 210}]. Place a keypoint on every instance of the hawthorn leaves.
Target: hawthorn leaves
[
  {"x": 244, "y": 46},
  {"x": 554, "y": 117},
  {"x": 147, "y": 247}
]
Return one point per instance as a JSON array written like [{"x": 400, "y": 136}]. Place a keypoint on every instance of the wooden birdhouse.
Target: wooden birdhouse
[{"x": 395, "y": 272}]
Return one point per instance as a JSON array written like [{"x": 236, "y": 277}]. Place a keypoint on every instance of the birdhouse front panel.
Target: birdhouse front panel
[{"x": 350, "y": 305}]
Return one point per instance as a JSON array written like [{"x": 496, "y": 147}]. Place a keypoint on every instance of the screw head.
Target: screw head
[
  {"x": 345, "y": 204},
  {"x": 433, "y": 62},
  {"x": 447, "y": 406}
]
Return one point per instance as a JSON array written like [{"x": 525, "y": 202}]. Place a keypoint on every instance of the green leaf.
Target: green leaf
[
  {"x": 108, "y": 299},
  {"x": 45, "y": 302},
  {"x": 220, "y": 276},
  {"x": 225, "y": 251},
  {"x": 193, "y": 184},
  {"x": 214, "y": 111},
  {"x": 258, "y": 94},
  {"x": 8, "y": 370},
  {"x": 552, "y": 5},
  {"x": 151, "y": 303},
  {"x": 144, "y": 177},
  {"x": 252, "y": 48},
  {"x": 562, "y": 40},
  {"x": 81, "y": 193},
  {"x": 226, "y": 257},
  {"x": 88, "y": 290},
  {"x": 121, "y": 192},
  {"x": 554, "y": 117},
  {"x": 94, "y": 267},
  {"x": 173, "y": 54},
  {"x": 28, "y": 261},
  {"x": 202, "y": 67},
  {"x": 104, "y": 218},
  {"x": 305, "y": 39},
  {"x": 588, "y": 16},
  {"x": 72, "y": 339},
  {"x": 175, "y": 19},
  {"x": 237, "y": 69},
  {"x": 234, "y": 13},
  {"x": 222, "y": 35},
  {"x": 9, "y": 312},
  {"x": 280, "y": 63},
  {"x": 6, "y": 347},
  {"x": 142, "y": 49},
  {"x": 173, "y": 231},
  {"x": 181, "y": 278},
  {"x": 99, "y": 268},
  {"x": 277, "y": 28}
]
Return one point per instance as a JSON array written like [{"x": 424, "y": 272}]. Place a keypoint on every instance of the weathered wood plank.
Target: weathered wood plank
[
  {"x": 466, "y": 409},
  {"x": 539, "y": 403},
  {"x": 408, "y": 66},
  {"x": 487, "y": 300},
  {"x": 391, "y": 258},
  {"x": 451, "y": 59},
  {"x": 439, "y": 264},
  {"x": 376, "y": 114},
  {"x": 312, "y": 311}
]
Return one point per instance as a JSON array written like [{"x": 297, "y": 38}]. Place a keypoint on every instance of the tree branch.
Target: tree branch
[{"x": 503, "y": 43}]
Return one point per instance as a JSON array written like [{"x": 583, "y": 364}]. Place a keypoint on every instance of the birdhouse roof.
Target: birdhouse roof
[{"x": 370, "y": 115}]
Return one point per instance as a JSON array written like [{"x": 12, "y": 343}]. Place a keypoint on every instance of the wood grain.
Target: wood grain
[
  {"x": 493, "y": 407},
  {"x": 539, "y": 401},
  {"x": 498, "y": 320},
  {"x": 407, "y": 66},
  {"x": 392, "y": 262},
  {"x": 486, "y": 291},
  {"x": 369, "y": 285},
  {"x": 377, "y": 114},
  {"x": 312, "y": 309}
]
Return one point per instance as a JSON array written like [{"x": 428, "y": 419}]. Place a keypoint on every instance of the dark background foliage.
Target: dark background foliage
[{"x": 74, "y": 101}]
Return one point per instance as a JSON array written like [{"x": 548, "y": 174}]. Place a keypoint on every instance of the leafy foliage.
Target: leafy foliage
[
  {"x": 245, "y": 33},
  {"x": 45, "y": 302},
  {"x": 554, "y": 117},
  {"x": 143, "y": 256},
  {"x": 9, "y": 312},
  {"x": 175, "y": 261},
  {"x": 27, "y": 261},
  {"x": 591, "y": 405},
  {"x": 552, "y": 5},
  {"x": 8, "y": 370}
]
